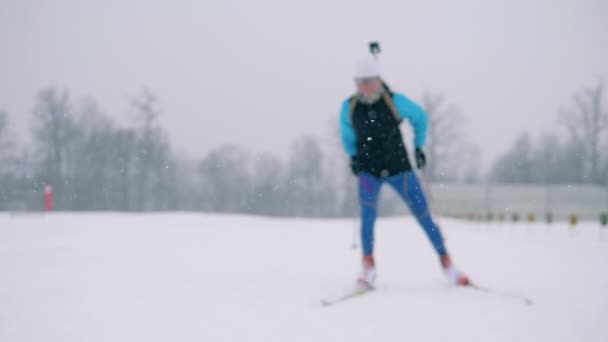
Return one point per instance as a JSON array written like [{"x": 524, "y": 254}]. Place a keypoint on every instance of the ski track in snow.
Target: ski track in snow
[{"x": 194, "y": 277}]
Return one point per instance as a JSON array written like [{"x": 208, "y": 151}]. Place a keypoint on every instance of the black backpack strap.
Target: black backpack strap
[{"x": 353, "y": 105}]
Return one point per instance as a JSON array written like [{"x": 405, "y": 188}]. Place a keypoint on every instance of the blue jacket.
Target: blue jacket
[{"x": 407, "y": 109}]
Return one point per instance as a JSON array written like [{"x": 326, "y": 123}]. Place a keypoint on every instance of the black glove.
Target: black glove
[
  {"x": 355, "y": 165},
  {"x": 420, "y": 158}
]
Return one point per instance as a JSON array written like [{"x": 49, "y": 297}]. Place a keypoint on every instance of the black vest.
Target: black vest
[{"x": 380, "y": 148}]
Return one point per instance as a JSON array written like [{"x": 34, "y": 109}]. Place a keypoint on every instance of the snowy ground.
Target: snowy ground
[{"x": 186, "y": 277}]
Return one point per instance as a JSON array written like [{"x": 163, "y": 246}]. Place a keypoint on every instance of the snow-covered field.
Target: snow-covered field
[{"x": 188, "y": 277}]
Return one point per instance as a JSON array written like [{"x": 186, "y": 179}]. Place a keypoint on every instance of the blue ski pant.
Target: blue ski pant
[{"x": 409, "y": 189}]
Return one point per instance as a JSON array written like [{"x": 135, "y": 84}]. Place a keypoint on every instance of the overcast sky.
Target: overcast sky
[{"x": 260, "y": 73}]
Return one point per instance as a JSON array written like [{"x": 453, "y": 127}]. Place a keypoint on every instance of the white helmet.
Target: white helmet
[{"x": 367, "y": 67}]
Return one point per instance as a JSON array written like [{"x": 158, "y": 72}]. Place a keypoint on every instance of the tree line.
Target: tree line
[
  {"x": 579, "y": 155},
  {"x": 93, "y": 163}
]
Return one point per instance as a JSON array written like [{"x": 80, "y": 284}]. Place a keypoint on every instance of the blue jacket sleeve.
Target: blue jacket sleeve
[
  {"x": 349, "y": 139},
  {"x": 417, "y": 117}
]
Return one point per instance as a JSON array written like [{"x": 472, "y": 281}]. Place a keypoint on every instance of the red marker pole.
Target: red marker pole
[{"x": 48, "y": 198}]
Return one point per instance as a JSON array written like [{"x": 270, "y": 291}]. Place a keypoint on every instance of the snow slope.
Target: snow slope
[{"x": 189, "y": 277}]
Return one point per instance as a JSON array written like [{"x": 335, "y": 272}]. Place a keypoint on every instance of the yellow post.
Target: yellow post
[
  {"x": 501, "y": 217},
  {"x": 573, "y": 220},
  {"x": 531, "y": 218}
]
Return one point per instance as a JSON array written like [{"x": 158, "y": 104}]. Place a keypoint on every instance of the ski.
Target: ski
[
  {"x": 491, "y": 291},
  {"x": 358, "y": 292}
]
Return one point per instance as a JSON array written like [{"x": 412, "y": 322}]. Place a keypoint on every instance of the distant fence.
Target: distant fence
[{"x": 522, "y": 202}]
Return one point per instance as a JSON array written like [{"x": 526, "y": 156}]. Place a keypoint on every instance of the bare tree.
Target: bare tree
[
  {"x": 337, "y": 171},
  {"x": 445, "y": 137},
  {"x": 267, "y": 189},
  {"x": 7, "y": 143},
  {"x": 54, "y": 130},
  {"x": 225, "y": 181},
  {"x": 517, "y": 165},
  {"x": 586, "y": 122},
  {"x": 307, "y": 186},
  {"x": 104, "y": 152},
  {"x": 7, "y": 184},
  {"x": 4, "y": 133},
  {"x": 154, "y": 167},
  {"x": 548, "y": 159},
  {"x": 468, "y": 167}
]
